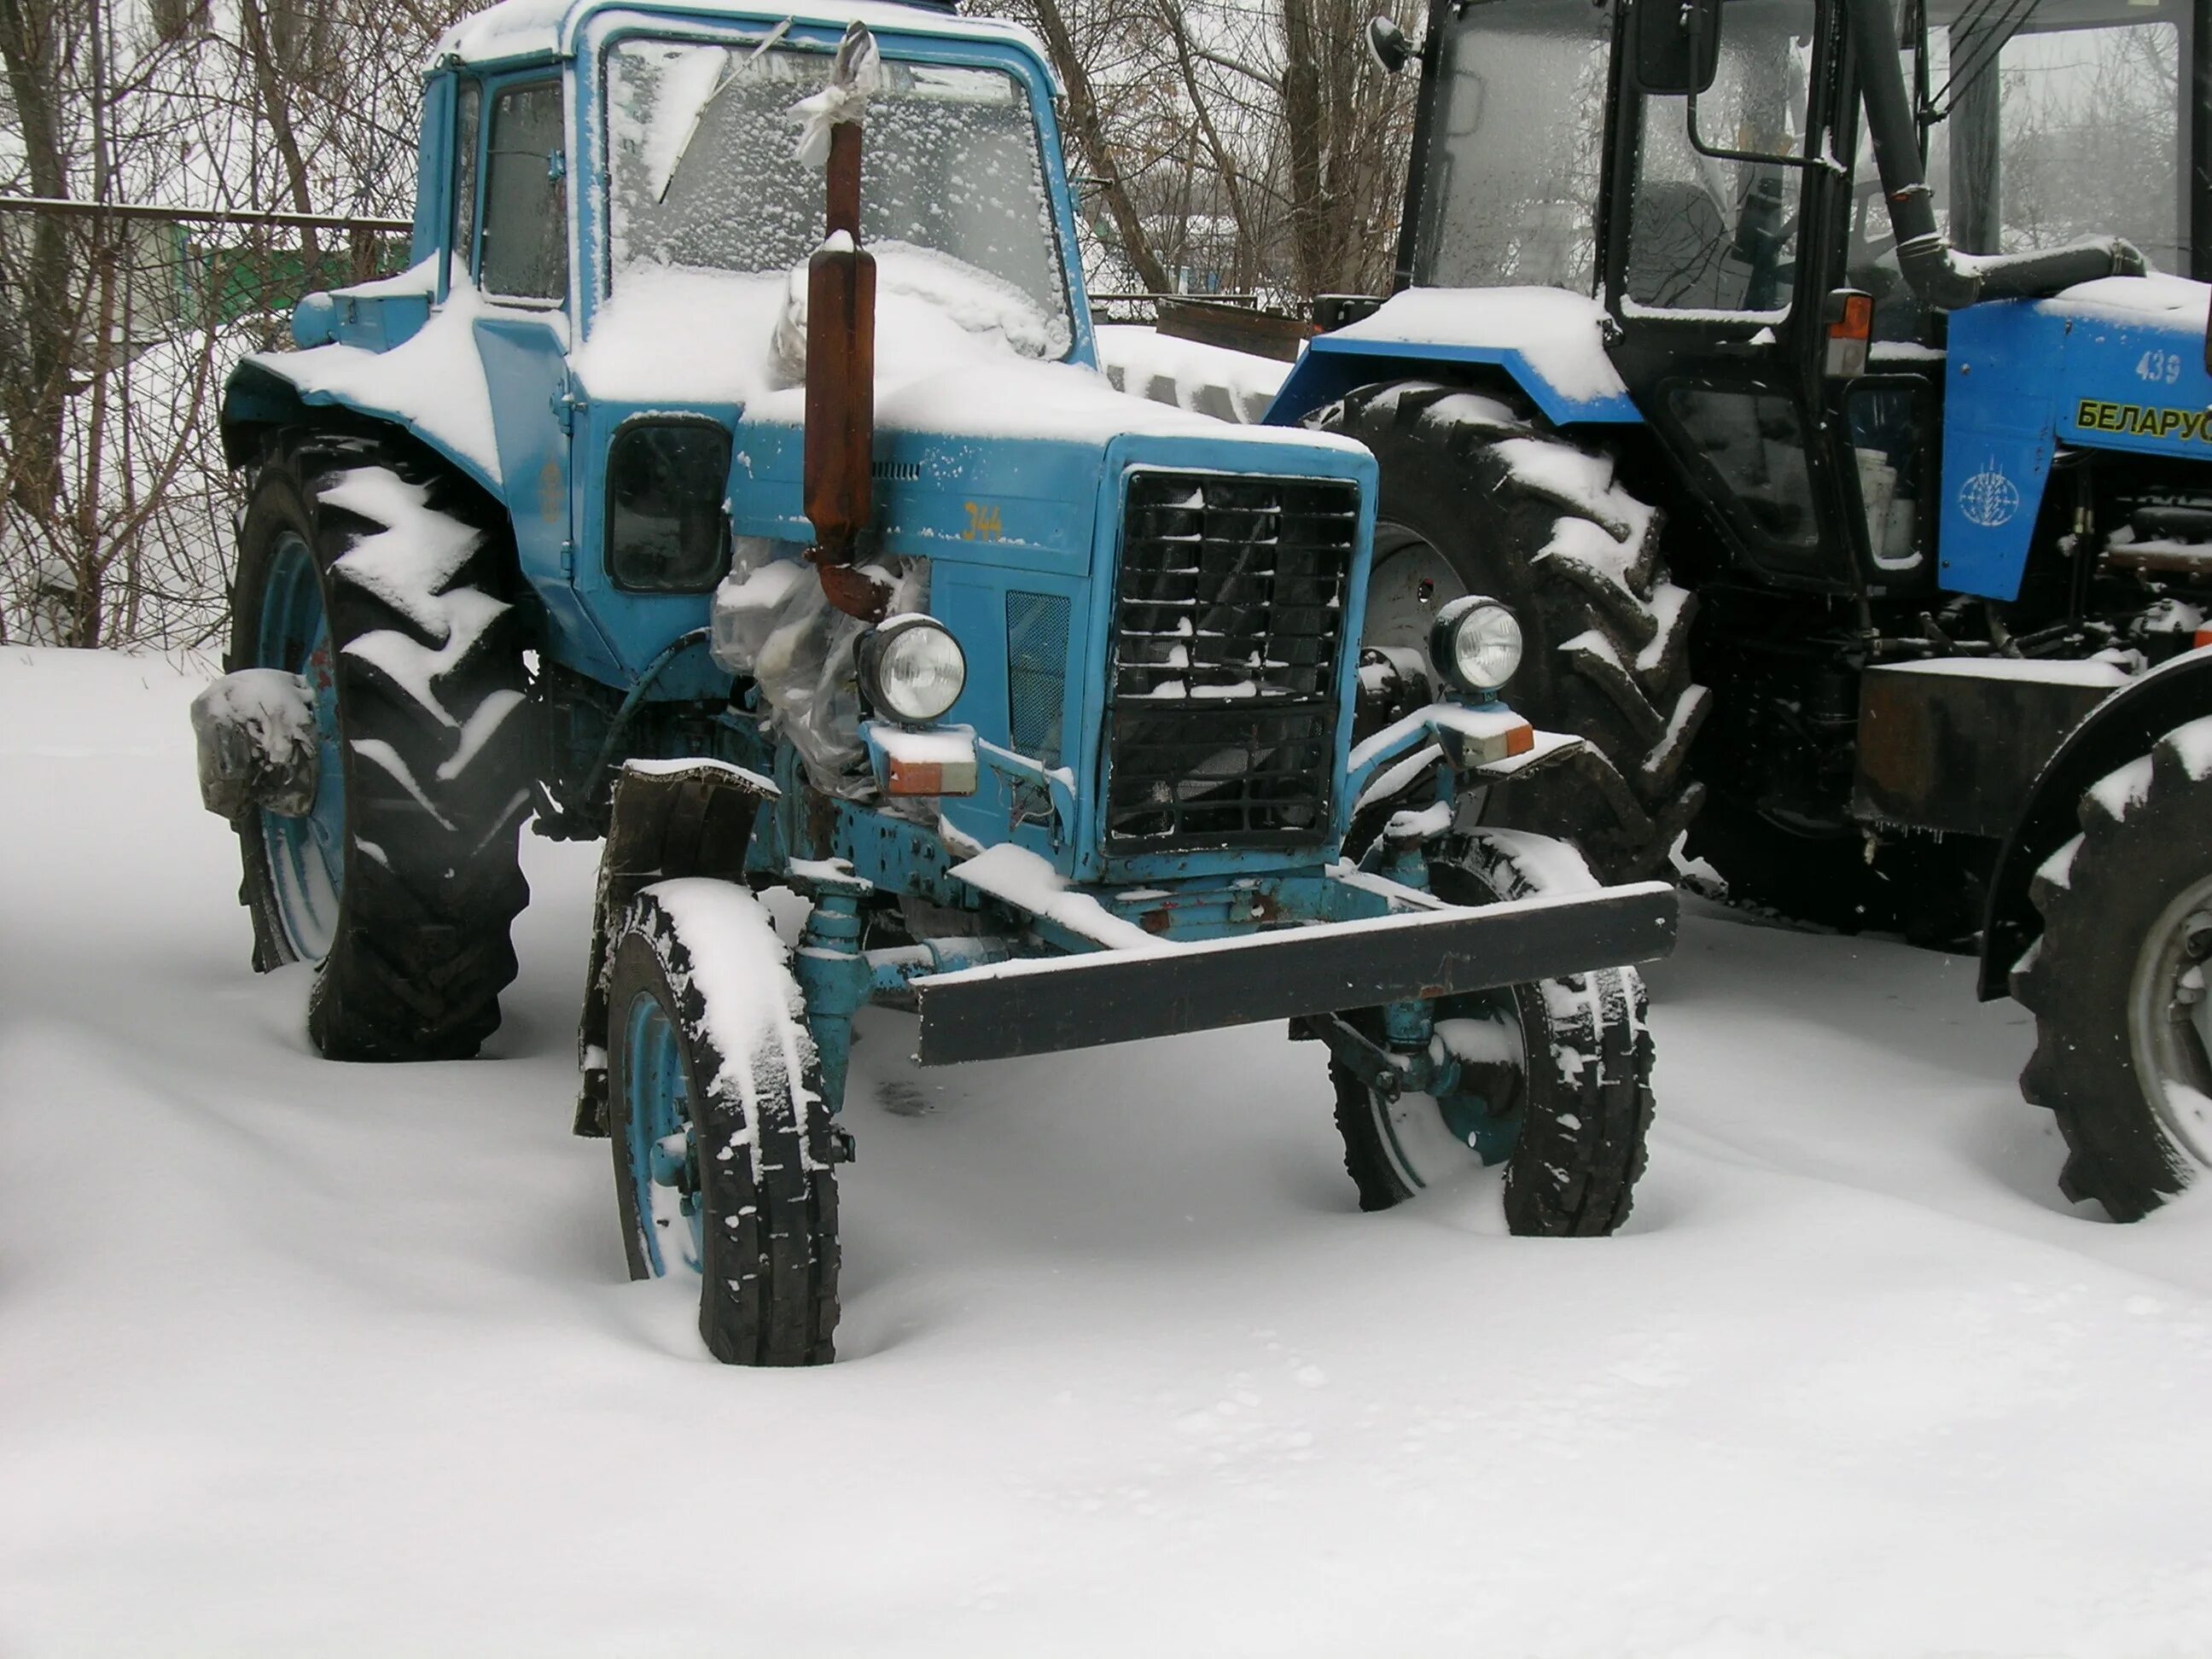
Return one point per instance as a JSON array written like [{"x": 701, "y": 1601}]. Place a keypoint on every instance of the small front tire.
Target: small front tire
[
  {"x": 1566, "y": 1063},
  {"x": 721, "y": 1138}
]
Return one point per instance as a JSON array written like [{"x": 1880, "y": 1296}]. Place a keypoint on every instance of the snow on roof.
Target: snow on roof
[{"x": 538, "y": 29}]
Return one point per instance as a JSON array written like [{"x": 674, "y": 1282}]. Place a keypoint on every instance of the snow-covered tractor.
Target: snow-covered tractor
[
  {"x": 1858, "y": 514},
  {"x": 783, "y": 533}
]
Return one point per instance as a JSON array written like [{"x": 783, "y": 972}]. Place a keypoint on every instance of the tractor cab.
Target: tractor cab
[{"x": 1709, "y": 174}]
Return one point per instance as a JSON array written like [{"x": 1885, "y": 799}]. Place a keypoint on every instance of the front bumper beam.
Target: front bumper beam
[{"x": 1043, "y": 1006}]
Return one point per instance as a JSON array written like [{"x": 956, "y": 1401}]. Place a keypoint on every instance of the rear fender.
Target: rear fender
[
  {"x": 1333, "y": 364},
  {"x": 2123, "y": 726}
]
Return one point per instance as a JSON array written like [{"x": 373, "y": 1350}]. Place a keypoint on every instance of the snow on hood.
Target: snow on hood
[
  {"x": 2157, "y": 295},
  {"x": 1561, "y": 335},
  {"x": 956, "y": 353}
]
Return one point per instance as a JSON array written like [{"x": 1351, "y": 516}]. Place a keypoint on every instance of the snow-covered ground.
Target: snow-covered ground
[{"x": 302, "y": 1358}]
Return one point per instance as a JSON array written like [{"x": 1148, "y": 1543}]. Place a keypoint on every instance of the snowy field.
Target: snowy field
[{"x": 298, "y": 1358}]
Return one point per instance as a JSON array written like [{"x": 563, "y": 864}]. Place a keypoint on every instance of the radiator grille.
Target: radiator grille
[
  {"x": 1036, "y": 673},
  {"x": 1228, "y": 619}
]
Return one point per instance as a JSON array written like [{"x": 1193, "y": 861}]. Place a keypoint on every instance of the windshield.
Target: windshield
[
  {"x": 702, "y": 175},
  {"x": 2059, "y": 119},
  {"x": 1516, "y": 145}
]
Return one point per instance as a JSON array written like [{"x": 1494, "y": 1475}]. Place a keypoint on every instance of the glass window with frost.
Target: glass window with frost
[
  {"x": 703, "y": 176},
  {"x": 1515, "y": 147},
  {"x": 1706, "y": 234}
]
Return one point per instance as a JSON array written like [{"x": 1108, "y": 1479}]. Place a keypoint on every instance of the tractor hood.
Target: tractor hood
[
  {"x": 1003, "y": 461},
  {"x": 990, "y": 427}
]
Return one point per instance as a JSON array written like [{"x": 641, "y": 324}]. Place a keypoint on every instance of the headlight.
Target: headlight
[
  {"x": 1475, "y": 643},
  {"x": 912, "y": 669}
]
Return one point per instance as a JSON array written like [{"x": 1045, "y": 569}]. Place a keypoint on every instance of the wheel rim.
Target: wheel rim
[
  {"x": 664, "y": 1149},
  {"x": 2170, "y": 1021},
  {"x": 306, "y": 856},
  {"x": 1410, "y": 583},
  {"x": 1427, "y": 1138}
]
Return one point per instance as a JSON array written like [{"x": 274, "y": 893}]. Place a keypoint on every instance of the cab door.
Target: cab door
[{"x": 1716, "y": 273}]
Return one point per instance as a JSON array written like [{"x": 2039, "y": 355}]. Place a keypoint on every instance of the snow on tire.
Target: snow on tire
[
  {"x": 1476, "y": 495},
  {"x": 377, "y": 570},
  {"x": 1566, "y": 1066},
  {"x": 2117, "y": 981},
  {"x": 723, "y": 1146}
]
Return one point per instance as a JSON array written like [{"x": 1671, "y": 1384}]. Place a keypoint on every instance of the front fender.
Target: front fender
[{"x": 2123, "y": 726}]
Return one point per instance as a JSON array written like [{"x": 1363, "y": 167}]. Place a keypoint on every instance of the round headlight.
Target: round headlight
[
  {"x": 913, "y": 669},
  {"x": 1476, "y": 643}
]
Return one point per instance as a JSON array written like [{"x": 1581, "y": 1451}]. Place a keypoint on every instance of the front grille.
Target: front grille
[{"x": 1228, "y": 618}]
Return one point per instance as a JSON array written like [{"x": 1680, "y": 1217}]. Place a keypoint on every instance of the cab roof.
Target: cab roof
[{"x": 542, "y": 28}]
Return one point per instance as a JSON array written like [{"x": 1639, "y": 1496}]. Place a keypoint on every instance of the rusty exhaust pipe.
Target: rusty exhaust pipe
[{"x": 841, "y": 344}]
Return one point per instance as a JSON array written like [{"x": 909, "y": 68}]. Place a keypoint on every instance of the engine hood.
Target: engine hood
[{"x": 1003, "y": 460}]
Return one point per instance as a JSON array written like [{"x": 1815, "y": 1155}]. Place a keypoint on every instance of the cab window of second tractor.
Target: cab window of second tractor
[
  {"x": 1515, "y": 148},
  {"x": 1710, "y": 234}
]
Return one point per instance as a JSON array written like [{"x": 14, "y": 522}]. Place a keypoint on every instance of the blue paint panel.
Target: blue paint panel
[
  {"x": 433, "y": 173},
  {"x": 2024, "y": 376},
  {"x": 527, "y": 372},
  {"x": 1332, "y": 365}
]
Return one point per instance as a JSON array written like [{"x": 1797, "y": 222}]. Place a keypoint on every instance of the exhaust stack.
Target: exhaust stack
[{"x": 841, "y": 336}]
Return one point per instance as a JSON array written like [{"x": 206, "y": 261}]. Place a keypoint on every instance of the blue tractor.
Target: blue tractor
[
  {"x": 1777, "y": 362},
  {"x": 760, "y": 509}
]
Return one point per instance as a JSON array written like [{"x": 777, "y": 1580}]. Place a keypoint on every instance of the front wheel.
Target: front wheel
[
  {"x": 1557, "y": 1075},
  {"x": 2117, "y": 981},
  {"x": 722, "y": 1141}
]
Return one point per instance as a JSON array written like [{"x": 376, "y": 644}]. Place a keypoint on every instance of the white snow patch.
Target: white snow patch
[
  {"x": 2058, "y": 868},
  {"x": 417, "y": 668},
  {"x": 1014, "y": 875},
  {"x": 2122, "y": 790},
  {"x": 754, "y": 1013},
  {"x": 2156, "y": 294},
  {"x": 2046, "y": 672},
  {"x": 1561, "y": 335},
  {"x": 2192, "y": 744},
  {"x": 434, "y": 381},
  {"x": 1206, "y": 380},
  {"x": 408, "y": 563}
]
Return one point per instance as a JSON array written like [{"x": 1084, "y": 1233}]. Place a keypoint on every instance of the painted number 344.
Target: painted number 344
[{"x": 2162, "y": 367}]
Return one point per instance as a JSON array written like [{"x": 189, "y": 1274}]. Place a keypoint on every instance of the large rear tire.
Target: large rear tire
[
  {"x": 1478, "y": 498},
  {"x": 1564, "y": 1069},
  {"x": 2117, "y": 981},
  {"x": 369, "y": 572}
]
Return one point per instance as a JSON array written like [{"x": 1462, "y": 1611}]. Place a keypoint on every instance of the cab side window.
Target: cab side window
[
  {"x": 525, "y": 210},
  {"x": 468, "y": 113}
]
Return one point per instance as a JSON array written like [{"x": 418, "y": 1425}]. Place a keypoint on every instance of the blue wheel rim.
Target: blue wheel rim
[
  {"x": 663, "y": 1148},
  {"x": 306, "y": 856}
]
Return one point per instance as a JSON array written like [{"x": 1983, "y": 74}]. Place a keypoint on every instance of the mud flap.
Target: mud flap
[
  {"x": 1044, "y": 1006},
  {"x": 668, "y": 818}
]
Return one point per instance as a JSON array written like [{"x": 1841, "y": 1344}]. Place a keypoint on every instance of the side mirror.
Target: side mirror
[
  {"x": 1677, "y": 47},
  {"x": 1388, "y": 45}
]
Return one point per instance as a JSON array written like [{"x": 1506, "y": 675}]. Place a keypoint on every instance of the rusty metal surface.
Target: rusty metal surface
[{"x": 1958, "y": 752}]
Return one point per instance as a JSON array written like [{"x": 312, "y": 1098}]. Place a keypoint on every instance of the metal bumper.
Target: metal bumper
[{"x": 1043, "y": 1006}]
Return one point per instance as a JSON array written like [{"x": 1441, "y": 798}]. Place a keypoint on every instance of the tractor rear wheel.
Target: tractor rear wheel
[
  {"x": 723, "y": 1148},
  {"x": 365, "y": 572},
  {"x": 1477, "y": 497},
  {"x": 1557, "y": 1074},
  {"x": 2117, "y": 981}
]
